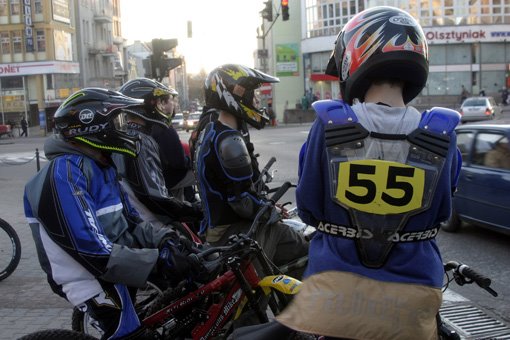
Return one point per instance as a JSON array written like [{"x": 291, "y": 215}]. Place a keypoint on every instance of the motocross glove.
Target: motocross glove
[{"x": 177, "y": 261}]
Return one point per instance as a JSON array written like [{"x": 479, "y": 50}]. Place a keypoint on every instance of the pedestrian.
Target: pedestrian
[
  {"x": 504, "y": 96},
  {"x": 305, "y": 104},
  {"x": 367, "y": 183},
  {"x": 91, "y": 243},
  {"x": 271, "y": 114},
  {"x": 24, "y": 127},
  {"x": 224, "y": 167},
  {"x": 482, "y": 93},
  {"x": 463, "y": 94}
]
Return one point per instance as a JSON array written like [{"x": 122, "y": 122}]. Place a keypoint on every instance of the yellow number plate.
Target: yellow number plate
[{"x": 380, "y": 187}]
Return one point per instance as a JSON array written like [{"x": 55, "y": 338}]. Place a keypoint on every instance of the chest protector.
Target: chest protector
[{"x": 381, "y": 179}]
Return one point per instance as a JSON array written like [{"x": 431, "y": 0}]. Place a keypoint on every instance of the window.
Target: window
[
  {"x": 49, "y": 81},
  {"x": 17, "y": 42},
  {"x": 4, "y": 9},
  {"x": 12, "y": 83},
  {"x": 464, "y": 142},
  {"x": 15, "y": 7},
  {"x": 38, "y": 6},
  {"x": 493, "y": 150},
  {"x": 41, "y": 40},
  {"x": 5, "y": 43}
]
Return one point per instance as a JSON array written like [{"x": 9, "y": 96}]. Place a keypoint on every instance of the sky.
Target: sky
[{"x": 224, "y": 31}]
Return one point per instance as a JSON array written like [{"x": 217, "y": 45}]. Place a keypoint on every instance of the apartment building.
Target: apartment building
[{"x": 51, "y": 48}]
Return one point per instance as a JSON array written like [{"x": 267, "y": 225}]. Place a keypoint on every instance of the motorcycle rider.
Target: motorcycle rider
[
  {"x": 224, "y": 168},
  {"x": 376, "y": 180},
  {"x": 160, "y": 107},
  {"x": 90, "y": 242},
  {"x": 143, "y": 178}
]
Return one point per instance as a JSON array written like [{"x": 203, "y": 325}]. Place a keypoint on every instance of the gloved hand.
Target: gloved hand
[
  {"x": 191, "y": 212},
  {"x": 177, "y": 260}
]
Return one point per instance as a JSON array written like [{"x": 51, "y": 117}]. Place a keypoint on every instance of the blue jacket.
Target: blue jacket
[{"x": 410, "y": 262}]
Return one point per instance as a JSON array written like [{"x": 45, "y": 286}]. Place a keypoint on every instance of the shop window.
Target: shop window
[
  {"x": 458, "y": 54},
  {"x": 437, "y": 55},
  {"x": 12, "y": 83}
]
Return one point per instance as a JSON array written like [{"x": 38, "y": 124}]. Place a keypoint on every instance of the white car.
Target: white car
[
  {"x": 178, "y": 121},
  {"x": 192, "y": 121}
]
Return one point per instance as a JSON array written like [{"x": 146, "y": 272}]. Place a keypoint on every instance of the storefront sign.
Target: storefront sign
[
  {"x": 24, "y": 69},
  {"x": 466, "y": 34}
]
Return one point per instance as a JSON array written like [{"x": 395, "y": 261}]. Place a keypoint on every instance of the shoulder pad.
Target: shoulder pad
[
  {"x": 234, "y": 156},
  {"x": 334, "y": 112},
  {"x": 440, "y": 120}
]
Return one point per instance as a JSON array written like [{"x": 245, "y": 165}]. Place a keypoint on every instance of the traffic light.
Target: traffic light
[
  {"x": 159, "y": 60},
  {"x": 267, "y": 12},
  {"x": 285, "y": 10}
]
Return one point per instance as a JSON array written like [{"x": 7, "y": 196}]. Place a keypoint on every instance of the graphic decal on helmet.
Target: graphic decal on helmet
[{"x": 86, "y": 116}]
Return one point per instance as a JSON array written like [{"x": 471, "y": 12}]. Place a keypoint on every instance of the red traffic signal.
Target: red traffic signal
[{"x": 285, "y": 10}]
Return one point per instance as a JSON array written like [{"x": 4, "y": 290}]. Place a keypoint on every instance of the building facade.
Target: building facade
[
  {"x": 468, "y": 45},
  {"x": 50, "y": 49},
  {"x": 100, "y": 43}
]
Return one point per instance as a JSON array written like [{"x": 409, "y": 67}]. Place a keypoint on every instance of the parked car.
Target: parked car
[
  {"x": 483, "y": 193},
  {"x": 178, "y": 121},
  {"x": 192, "y": 121},
  {"x": 479, "y": 108}
]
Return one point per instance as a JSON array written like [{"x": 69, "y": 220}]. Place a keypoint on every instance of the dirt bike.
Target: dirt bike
[{"x": 243, "y": 283}]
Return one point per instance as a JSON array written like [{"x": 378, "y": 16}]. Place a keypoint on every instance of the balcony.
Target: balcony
[
  {"x": 103, "y": 49},
  {"x": 103, "y": 16}
]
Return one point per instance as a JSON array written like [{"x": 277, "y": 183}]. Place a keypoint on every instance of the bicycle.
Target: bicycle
[
  {"x": 241, "y": 282},
  {"x": 10, "y": 249}
]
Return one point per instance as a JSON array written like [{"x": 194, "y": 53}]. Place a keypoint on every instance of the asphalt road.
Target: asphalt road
[{"x": 26, "y": 301}]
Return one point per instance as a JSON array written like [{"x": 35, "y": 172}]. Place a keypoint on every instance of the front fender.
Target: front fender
[{"x": 282, "y": 283}]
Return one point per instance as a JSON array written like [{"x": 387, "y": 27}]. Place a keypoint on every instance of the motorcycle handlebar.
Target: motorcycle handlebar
[
  {"x": 280, "y": 192},
  {"x": 269, "y": 165},
  {"x": 471, "y": 275}
]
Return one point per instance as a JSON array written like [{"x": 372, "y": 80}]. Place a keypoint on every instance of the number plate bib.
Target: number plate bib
[{"x": 382, "y": 182}]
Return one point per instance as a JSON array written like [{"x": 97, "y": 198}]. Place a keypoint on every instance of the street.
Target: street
[{"x": 27, "y": 303}]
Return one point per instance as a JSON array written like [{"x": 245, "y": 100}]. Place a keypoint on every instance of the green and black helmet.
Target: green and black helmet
[{"x": 91, "y": 116}]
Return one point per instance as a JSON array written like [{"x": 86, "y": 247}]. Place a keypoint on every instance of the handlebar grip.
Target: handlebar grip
[
  {"x": 269, "y": 164},
  {"x": 280, "y": 192},
  {"x": 471, "y": 274}
]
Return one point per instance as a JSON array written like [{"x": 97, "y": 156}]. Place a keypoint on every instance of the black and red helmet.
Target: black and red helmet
[{"x": 380, "y": 43}]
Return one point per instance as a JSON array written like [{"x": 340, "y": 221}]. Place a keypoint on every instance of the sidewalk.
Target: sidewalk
[{"x": 27, "y": 304}]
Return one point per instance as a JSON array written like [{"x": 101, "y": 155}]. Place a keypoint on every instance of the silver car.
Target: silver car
[{"x": 479, "y": 108}]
